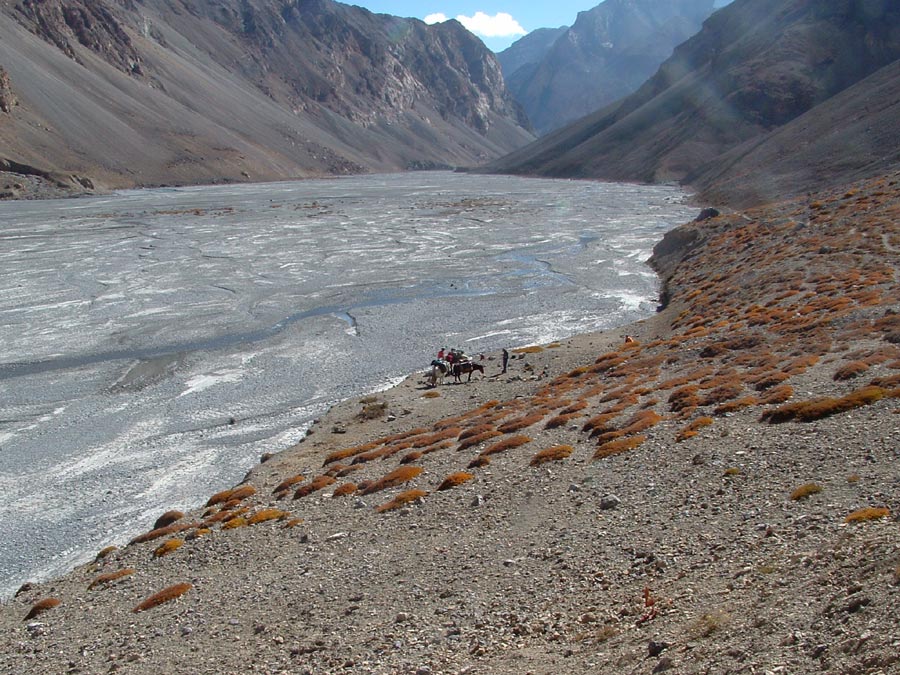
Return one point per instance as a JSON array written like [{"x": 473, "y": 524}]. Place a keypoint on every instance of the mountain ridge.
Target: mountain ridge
[
  {"x": 189, "y": 92},
  {"x": 756, "y": 66}
]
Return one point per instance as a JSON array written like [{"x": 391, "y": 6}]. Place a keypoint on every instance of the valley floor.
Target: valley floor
[{"x": 718, "y": 496}]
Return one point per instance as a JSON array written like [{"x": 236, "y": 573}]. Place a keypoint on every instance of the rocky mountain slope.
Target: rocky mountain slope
[
  {"x": 610, "y": 50},
  {"x": 716, "y": 495},
  {"x": 189, "y": 91},
  {"x": 747, "y": 78}
]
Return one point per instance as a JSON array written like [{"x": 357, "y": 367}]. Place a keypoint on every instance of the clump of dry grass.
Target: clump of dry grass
[
  {"x": 401, "y": 500},
  {"x": 314, "y": 485},
  {"x": 288, "y": 483},
  {"x": 868, "y": 513},
  {"x": 103, "y": 552},
  {"x": 805, "y": 491},
  {"x": 432, "y": 393},
  {"x": 174, "y": 528},
  {"x": 167, "y": 518},
  {"x": 168, "y": 547},
  {"x": 477, "y": 439},
  {"x": 265, "y": 515},
  {"x": 734, "y": 406},
  {"x": 398, "y": 476},
  {"x": 109, "y": 577},
  {"x": 344, "y": 490},
  {"x": 411, "y": 457},
  {"x": 731, "y": 471},
  {"x": 199, "y": 532},
  {"x": 707, "y": 624},
  {"x": 521, "y": 422},
  {"x": 505, "y": 444},
  {"x": 850, "y": 370},
  {"x": 691, "y": 429},
  {"x": 618, "y": 446},
  {"x": 234, "y": 523},
  {"x": 555, "y": 454},
  {"x": 165, "y": 595},
  {"x": 808, "y": 411},
  {"x": 455, "y": 480},
  {"x": 238, "y": 493},
  {"x": 561, "y": 420},
  {"x": 479, "y": 462},
  {"x": 41, "y": 606},
  {"x": 534, "y": 349}
]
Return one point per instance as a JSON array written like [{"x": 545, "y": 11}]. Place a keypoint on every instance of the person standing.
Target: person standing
[{"x": 505, "y": 359}]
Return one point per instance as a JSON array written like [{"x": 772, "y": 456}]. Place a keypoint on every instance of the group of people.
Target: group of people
[{"x": 455, "y": 356}]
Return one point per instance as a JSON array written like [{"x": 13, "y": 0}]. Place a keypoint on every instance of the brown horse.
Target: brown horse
[{"x": 466, "y": 367}]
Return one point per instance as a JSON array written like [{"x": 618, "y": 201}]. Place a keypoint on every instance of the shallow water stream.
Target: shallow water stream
[{"x": 153, "y": 344}]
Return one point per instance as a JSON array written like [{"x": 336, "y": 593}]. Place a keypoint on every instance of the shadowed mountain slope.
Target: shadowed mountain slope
[
  {"x": 608, "y": 53},
  {"x": 756, "y": 66},
  {"x": 189, "y": 91}
]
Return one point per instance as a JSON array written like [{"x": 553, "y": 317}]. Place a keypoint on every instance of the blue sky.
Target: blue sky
[{"x": 510, "y": 20}]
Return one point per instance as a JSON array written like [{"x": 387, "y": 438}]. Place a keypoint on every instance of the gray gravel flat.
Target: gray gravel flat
[{"x": 153, "y": 344}]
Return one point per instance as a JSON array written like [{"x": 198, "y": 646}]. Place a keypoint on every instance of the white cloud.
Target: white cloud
[{"x": 499, "y": 25}]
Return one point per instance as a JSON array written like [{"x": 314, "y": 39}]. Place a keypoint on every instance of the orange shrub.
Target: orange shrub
[
  {"x": 167, "y": 519},
  {"x": 455, "y": 479},
  {"x": 238, "y": 493},
  {"x": 599, "y": 423},
  {"x": 734, "y": 406},
  {"x": 162, "y": 532},
  {"x": 234, "y": 523},
  {"x": 398, "y": 476},
  {"x": 472, "y": 441},
  {"x": 505, "y": 444},
  {"x": 401, "y": 500},
  {"x": 475, "y": 431},
  {"x": 314, "y": 485},
  {"x": 684, "y": 397},
  {"x": 561, "y": 420},
  {"x": 265, "y": 515},
  {"x": 288, "y": 483},
  {"x": 805, "y": 491},
  {"x": 165, "y": 595},
  {"x": 554, "y": 454},
  {"x": 617, "y": 446},
  {"x": 41, "y": 606},
  {"x": 168, "y": 547},
  {"x": 109, "y": 577},
  {"x": 691, "y": 429},
  {"x": 479, "y": 462},
  {"x": 778, "y": 394},
  {"x": 102, "y": 553},
  {"x": 411, "y": 457},
  {"x": 807, "y": 411},
  {"x": 850, "y": 370},
  {"x": 869, "y": 513},
  {"x": 521, "y": 423},
  {"x": 344, "y": 490}
]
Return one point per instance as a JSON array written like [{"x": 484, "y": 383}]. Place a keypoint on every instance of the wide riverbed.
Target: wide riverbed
[{"x": 153, "y": 344}]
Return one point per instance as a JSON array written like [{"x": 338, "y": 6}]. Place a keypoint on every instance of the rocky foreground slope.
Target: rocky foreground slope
[
  {"x": 717, "y": 494},
  {"x": 119, "y": 94}
]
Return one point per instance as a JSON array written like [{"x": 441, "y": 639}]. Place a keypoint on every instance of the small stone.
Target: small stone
[
  {"x": 609, "y": 502},
  {"x": 186, "y": 630},
  {"x": 664, "y": 664},
  {"x": 477, "y": 501},
  {"x": 337, "y": 535},
  {"x": 401, "y": 617},
  {"x": 656, "y": 648}
]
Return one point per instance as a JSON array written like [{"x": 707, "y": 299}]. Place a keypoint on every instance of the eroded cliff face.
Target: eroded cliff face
[
  {"x": 203, "y": 91},
  {"x": 86, "y": 22}
]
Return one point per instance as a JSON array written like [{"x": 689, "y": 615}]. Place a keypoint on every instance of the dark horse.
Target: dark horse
[{"x": 466, "y": 367}]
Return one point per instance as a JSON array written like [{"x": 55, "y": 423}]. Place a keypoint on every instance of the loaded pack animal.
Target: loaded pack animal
[
  {"x": 439, "y": 369},
  {"x": 466, "y": 367}
]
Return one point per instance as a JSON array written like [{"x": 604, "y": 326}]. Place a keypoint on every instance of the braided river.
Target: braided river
[{"x": 155, "y": 343}]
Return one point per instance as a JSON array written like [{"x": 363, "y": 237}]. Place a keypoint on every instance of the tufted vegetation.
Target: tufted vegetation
[{"x": 166, "y": 595}]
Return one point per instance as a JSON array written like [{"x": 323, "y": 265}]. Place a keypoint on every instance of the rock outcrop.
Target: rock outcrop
[{"x": 8, "y": 98}]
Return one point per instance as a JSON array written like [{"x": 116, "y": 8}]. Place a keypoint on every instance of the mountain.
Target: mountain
[
  {"x": 747, "y": 91},
  {"x": 608, "y": 53},
  {"x": 146, "y": 92}
]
